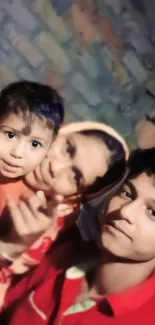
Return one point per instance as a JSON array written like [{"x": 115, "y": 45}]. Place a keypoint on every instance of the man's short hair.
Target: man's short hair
[{"x": 141, "y": 161}]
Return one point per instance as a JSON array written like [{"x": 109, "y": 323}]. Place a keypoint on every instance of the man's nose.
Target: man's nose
[{"x": 130, "y": 211}]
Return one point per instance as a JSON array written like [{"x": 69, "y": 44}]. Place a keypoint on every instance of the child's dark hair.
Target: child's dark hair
[
  {"x": 33, "y": 98},
  {"x": 116, "y": 166},
  {"x": 141, "y": 161}
]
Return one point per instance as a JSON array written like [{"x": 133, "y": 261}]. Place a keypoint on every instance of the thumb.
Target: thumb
[
  {"x": 59, "y": 198},
  {"x": 42, "y": 197}
]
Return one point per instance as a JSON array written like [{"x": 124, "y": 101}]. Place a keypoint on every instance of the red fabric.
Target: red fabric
[
  {"x": 14, "y": 189},
  {"x": 142, "y": 316},
  {"x": 39, "y": 287},
  {"x": 43, "y": 295}
]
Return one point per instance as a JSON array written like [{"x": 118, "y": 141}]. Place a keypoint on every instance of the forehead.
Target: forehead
[
  {"x": 25, "y": 123},
  {"x": 91, "y": 157},
  {"x": 144, "y": 185}
]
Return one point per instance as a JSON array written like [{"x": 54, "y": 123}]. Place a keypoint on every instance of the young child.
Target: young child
[{"x": 30, "y": 116}]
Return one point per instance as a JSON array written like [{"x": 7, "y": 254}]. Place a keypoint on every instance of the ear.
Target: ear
[{"x": 145, "y": 131}]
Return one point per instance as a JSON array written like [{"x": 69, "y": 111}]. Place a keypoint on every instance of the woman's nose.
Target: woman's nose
[{"x": 59, "y": 165}]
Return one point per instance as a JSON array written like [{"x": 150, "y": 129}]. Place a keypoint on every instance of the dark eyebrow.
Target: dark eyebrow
[
  {"x": 72, "y": 145},
  {"x": 132, "y": 189},
  {"x": 33, "y": 137},
  {"x": 38, "y": 139}
]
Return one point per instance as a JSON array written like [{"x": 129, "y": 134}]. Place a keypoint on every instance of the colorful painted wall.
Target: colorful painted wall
[{"x": 99, "y": 54}]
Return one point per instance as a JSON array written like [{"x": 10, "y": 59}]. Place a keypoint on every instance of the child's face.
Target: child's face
[{"x": 23, "y": 145}]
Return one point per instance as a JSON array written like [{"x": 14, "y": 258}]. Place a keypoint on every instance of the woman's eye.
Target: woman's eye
[
  {"x": 151, "y": 212},
  {"x": 126, "y": 194},
  {"x": 36, "y": 144},
  {"x": 10, "y": 134},
  {"x": 70, "y": 148},
  {"x": 77, "y": 177}
]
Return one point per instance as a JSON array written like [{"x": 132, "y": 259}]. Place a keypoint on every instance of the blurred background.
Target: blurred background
[{"x": 100, "y": 55}]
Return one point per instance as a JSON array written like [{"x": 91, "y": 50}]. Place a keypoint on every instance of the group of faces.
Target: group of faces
[{"x": 69, "y": 165}]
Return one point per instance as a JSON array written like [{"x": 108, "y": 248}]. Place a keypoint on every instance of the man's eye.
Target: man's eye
[
  {"x": 70, "y": 149},
  {"x": 126, "y": 194},
  {"x": 9, "y": 134},
  {"x": 35, "y": 144}
]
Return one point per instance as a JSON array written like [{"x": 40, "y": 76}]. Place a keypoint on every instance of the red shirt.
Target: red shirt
[
  {"x": 47, "y": 294},
  {"x": 15, "y": 189}
]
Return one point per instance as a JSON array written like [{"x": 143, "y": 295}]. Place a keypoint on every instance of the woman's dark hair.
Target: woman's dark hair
[
  {"x": 117, "y": 164},
  {"x": 141, "y": 161},
  {"x": 35, "y": 98}
]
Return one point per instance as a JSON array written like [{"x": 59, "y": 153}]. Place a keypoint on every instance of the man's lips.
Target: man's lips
[{"x": 114, "y": 225}]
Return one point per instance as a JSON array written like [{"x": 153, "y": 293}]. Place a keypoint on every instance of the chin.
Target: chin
[{"x": 11, "y": 175}]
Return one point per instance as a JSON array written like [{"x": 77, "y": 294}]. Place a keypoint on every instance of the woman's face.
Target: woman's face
[{"x": 73, "y": 164}]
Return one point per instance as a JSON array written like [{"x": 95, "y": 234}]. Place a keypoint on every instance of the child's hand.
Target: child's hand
[{"x": 31, "y": 217}]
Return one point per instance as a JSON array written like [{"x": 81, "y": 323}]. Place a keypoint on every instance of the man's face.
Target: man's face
[
  {"x": 23, "y": 145},
  {"x": 128, "y": 230}
]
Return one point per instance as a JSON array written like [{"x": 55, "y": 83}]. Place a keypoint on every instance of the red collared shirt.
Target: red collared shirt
[
  {"x": 135, "y": 306},
  {"x": 48, "y": 296}
]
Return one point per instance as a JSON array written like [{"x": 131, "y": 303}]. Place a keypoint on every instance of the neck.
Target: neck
[
  {"x": 5, "y": 180},
  {"x": 114, "y": 275}
]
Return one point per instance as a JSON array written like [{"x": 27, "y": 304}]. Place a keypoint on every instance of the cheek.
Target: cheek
[
  {"x": 114, "y": 205},
  {"x": 5, "y": 146},
  {"x": 145, "y": 242},
  {"x": 38, "y": 156},
  {"x": 31, "y": 164},
  {"x": 64, "y": 186}
]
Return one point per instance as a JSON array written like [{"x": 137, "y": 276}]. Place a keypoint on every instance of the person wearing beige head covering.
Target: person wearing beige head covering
[
  {"x": 104, "y": 147},
  {"x": 76, "y": 137}
]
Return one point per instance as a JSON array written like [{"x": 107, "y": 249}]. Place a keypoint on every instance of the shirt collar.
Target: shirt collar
[{"x": 120, "y": 303}]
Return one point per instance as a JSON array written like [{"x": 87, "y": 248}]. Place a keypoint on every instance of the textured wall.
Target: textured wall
[{"x": 99, "y": 54}]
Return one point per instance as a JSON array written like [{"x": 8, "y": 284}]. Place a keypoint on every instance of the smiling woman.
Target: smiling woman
[{"x": 85, "y": 158}]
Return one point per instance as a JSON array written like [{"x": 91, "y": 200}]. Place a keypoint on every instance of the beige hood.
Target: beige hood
[{"x": 89, "y": 125}]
